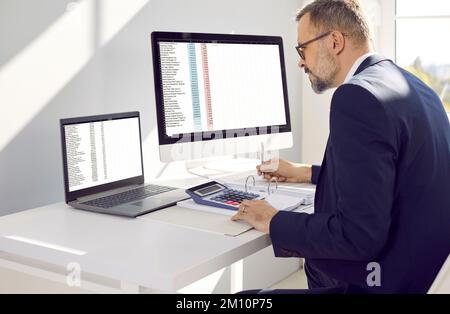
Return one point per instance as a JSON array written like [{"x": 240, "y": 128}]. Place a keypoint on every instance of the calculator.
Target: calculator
[{"x": 218, "y": 195}]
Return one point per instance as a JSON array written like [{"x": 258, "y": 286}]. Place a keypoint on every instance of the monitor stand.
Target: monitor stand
[{"x": 220, "y": 166}]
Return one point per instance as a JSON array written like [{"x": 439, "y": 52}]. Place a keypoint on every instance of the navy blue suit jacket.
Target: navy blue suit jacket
[{"x": 383, "y": 189}]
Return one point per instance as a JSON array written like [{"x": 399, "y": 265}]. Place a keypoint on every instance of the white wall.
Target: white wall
[{"x": 61, "y": 58}]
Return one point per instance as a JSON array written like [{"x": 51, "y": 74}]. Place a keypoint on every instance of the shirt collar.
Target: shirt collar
[{"x": 356, "y": 66}]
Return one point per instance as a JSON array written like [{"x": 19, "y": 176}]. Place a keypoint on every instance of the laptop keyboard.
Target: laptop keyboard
[{"x": 128, "y": 196}]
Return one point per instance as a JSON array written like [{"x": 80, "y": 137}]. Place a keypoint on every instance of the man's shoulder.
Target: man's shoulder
[
  {"x": 383, "y": 80},
  {"x": 376, "y": 75},
  {"x": 353, "y": 91}
]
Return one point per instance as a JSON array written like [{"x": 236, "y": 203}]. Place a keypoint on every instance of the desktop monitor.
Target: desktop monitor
[{"x": 219, "y": 94}]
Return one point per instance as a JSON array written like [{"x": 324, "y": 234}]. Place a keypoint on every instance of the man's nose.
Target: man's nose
[{"x": 301, "y": 63}]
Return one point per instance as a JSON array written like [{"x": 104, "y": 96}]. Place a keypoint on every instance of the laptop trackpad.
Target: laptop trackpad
[{"x": 148, "y": 203}]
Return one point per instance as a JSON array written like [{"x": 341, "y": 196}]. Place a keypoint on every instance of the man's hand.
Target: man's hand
[
  {"x": 285, "y": 171},
  {"x": 257, "y": 213}
]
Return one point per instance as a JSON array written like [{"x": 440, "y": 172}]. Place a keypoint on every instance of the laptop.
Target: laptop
[{"x": 103, "y": 167}]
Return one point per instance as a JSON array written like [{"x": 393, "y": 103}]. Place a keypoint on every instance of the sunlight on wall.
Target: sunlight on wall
[
  {"x": 35, "y": 75},
  {"x": 115, "y": 14}
]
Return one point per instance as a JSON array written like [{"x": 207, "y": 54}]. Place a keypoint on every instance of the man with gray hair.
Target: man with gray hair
[{"x": 382, "y": 206}]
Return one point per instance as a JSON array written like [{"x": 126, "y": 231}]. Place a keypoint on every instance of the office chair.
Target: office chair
[{"x": 441, "y": 285}]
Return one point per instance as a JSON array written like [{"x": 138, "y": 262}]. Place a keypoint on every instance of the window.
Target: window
[{"x": 422, "y": 45}]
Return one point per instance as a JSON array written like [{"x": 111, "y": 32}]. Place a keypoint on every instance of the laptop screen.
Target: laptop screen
[{"x": 101, "y": 152}]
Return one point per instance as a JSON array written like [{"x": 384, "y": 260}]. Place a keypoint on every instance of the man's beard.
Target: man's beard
[{"x": 324, "y": 76}]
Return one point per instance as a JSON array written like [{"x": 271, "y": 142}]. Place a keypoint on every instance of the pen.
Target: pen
[{"x": 262, "y": 153}]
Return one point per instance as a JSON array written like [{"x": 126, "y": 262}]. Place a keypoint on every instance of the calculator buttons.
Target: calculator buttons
[{"x": 232, "y": 197}]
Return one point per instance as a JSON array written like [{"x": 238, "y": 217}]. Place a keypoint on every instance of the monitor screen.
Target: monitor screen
[
  {"x": 100, "y": 152},
  {"x": 217, "y": 83}
]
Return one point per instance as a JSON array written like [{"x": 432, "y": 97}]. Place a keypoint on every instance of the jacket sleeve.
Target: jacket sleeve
[
  {"x": 363, "y": 158},
  {"x": 315, "y": 174}
]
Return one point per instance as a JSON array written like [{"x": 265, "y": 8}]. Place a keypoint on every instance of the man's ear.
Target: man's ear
[{"x": 338, "y": 42}]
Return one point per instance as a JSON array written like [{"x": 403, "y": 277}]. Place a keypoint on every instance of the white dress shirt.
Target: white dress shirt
[{"x": 356, "y": 65}]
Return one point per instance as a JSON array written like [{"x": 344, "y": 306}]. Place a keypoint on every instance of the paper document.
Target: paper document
[
  {"x": 189, "y": 203},
  {"x": 284, "y": 202},
  {"x": 261, "y": 183},
  {"x": 280, "y": 202},
  {"x": 280, "y": 198}
]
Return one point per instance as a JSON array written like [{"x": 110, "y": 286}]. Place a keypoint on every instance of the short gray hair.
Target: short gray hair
[{"x": 346, "y": 16}]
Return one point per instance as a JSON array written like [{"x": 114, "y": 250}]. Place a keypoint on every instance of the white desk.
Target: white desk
[
  {"x": 139, "y": 251},
  {"x": 142, "y": 252}
]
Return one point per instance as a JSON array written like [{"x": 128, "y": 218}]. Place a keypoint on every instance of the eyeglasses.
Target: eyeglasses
[{"x": 300, "y": 47}]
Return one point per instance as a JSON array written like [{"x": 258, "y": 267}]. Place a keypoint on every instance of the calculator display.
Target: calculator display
[{"x": 209, "y": 190}]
